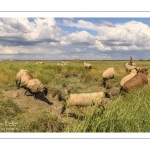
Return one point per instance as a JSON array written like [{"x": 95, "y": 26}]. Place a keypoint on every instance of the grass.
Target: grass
[
  {"x": 42, "y": 122},
  {"x": 126, "y": 113}
]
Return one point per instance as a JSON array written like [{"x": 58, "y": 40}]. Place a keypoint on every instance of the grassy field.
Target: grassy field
[{"x": 20, "y": 113}]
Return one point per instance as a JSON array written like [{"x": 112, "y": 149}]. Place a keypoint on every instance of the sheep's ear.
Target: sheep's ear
[{"x": 137, "y": 70}]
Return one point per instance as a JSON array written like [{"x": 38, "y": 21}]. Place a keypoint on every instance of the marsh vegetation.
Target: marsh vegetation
[{"x": 124, "y": 113}]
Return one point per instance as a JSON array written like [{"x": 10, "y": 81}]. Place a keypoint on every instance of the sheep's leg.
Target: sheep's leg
[
  {"x": 104, "y": 82},
  {"x": 27, "y": 90},
  {"x": 121, "y": 89},
  {"x": 18, "y": 84},
  {"x": 45, "y": 91},
  {"x": 34, "y": 96},
  {"x": 25, "y": 93},
  {"x": 63, "y": 109}
]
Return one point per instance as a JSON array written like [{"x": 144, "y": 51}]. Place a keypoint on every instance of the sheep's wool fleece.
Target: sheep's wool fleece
[
  {"x": 20, "y": 74},
  {"x": 139, "y": 80},
  {"x": 85, "y": 99},
  {"x": 128, "y": 67},
  {"x": 108, "y": 73},
  {"x": 39, "y": 63},
  {"x": 25, "y": 77},
  {"x": 87, "y": 64},
  {"x": 128, "y": 77},
  {"x": 35, "y": 85}
]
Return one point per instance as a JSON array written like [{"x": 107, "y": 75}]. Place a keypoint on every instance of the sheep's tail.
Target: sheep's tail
[{"x": 63, "y": 109}]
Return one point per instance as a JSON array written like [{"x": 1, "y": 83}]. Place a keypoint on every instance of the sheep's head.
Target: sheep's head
[
  {"x": 107, "y": 95},
  {"x": 144, "y": 71}
]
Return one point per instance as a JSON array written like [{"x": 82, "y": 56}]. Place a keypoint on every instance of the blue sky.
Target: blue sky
[{"x": 75, "y": 38}]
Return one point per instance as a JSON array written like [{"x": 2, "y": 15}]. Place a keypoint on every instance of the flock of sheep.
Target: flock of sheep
[{"x": 137, "y": 77}]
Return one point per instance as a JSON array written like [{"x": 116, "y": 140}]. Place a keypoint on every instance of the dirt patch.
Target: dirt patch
[{"x": 47, "y": 103}]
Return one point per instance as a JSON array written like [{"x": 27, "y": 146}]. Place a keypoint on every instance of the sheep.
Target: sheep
[
  {"x": 30, "y": 83},
  {"x": 39, "y": 63},
  {"x": 63, "y": 63},
  {"x": 19, "y": 75},
  {"x": 87, "y": 65},
  {"x": 139, "y": 80},
  {"x": 59, "y": 64},
  {"x": 129, "y": 76},
  {"x": 128, "y": 67},
  {"x": 85, "y": 99},
  {"x": 108, "y": 74}
]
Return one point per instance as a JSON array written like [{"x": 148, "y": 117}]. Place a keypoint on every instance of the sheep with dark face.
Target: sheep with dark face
[
  {"x": 30, "y": 83},
  {"x": 139, "y": 80},
  {"x": 108, "y": 74},
  {"x": 85, "y": 99}
]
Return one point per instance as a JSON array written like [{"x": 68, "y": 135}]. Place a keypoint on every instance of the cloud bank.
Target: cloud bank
[{"x": 44, "y": 38}]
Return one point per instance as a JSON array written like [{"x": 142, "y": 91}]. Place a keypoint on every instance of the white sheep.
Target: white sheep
[
  {"x": 128, "y": 67},
  {"x": 39, "y": 63},
  {"x": 129, "y": 76},
  {"x": 87, "y": 65},
  {"x": 59, "y": 64},
  {"x": 63, "y": 63},
  {"x": 108, "y": 74},
  {"x": 85, "y": 99},
  {"x": 30, "y": 83},
  {"x": 19, "y": 77}
]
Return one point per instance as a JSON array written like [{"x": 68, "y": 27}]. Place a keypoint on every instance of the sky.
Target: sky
[{"x": 74, "y": 38}]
